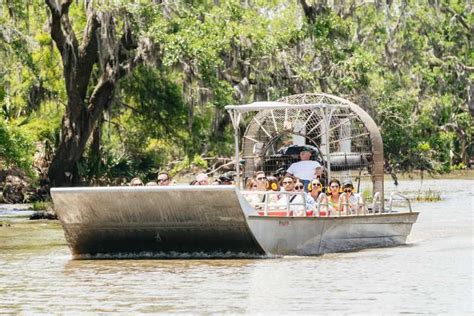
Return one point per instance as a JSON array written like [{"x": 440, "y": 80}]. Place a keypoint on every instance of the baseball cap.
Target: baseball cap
[{"x": 347, "y": 183}]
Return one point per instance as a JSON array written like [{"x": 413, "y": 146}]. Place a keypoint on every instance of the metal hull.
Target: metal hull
[
  {"x": 124, "y": 220},
  {"x": 306, "y": 236},
  {"x": 207, "y": 220}
]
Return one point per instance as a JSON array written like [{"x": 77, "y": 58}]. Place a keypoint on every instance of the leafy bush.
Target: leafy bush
[{"x": 16, "y": 150}]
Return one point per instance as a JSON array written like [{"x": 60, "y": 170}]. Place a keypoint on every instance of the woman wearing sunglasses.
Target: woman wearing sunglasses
[
  {"x": 334, "y": 194},
  {"x": 350, "y": 202},
  {"x": 260, "y": 180},
  {"x": 254, "y": 199},
  {"x": 315, "y": 188},
  {"x": 299, "y": 187}
]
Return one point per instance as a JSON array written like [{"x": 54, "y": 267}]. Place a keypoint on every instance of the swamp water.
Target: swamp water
[{"x": 433, "y": 273}]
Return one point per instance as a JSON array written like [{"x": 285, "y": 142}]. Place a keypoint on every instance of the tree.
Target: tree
[{"x": 91, "y": 70}]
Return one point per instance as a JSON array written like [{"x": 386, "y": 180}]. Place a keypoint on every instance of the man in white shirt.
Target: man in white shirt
[{"x": 304, "y": 169}]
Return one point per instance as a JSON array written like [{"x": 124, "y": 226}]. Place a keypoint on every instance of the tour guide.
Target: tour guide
[{"x": 304, "y": 169}]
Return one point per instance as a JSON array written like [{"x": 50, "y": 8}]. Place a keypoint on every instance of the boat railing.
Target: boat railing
[
  {"x": 377, "y": 203},
  {"x": 320, "y": 202},
  {"x": 350, "y": 208},
  {"x": 392, "y": 195},
  {"x": 266, "y": 202}
]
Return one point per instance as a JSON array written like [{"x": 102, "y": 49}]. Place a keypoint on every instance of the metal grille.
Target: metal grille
[{"x": 342, "y": 140}]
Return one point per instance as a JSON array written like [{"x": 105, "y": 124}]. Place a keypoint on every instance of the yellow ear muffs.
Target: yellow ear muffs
[
  {"x": 274, "y": 186},
  {"x": 310, "y": 187}
]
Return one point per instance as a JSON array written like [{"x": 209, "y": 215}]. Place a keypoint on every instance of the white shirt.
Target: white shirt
[{"x": 304, "y": 169}]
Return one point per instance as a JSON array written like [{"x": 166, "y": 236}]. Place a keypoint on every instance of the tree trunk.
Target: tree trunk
[{"x": 85, "y": 106}]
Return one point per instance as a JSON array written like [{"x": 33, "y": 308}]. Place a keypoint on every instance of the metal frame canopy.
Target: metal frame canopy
[
  {"x": 275, "y": 105},
  {"x": 314, "y": 111}
]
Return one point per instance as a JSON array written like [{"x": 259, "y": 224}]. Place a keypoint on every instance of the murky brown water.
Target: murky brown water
[{"x": 432, "y": 274}]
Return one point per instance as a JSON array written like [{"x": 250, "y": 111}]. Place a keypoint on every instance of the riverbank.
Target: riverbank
[{"x": 418, "y": 175}]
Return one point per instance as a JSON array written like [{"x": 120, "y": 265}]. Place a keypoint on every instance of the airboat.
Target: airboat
[{"x": 213, "y": 220}]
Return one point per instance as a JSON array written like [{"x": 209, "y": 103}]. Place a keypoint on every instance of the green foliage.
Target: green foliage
[
  {"x": 199, "y": 162},
  {"x": 181, "y": 166},
  {"x": 15, "y": 149},
  {"x": 428, "y": 196},
  {"x": 42, "y": 205},
  {"x": 409, "y": 64}
]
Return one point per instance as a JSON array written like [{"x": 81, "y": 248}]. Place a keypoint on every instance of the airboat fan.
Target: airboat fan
[{"x": 342, "y": 137}]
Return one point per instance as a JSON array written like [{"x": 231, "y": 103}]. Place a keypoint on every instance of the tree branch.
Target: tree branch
[
  {"x": 65, "y": 39},
  {"x": 56, "y": 31},
  {"x": 88, "y": 53},
  {"x": 460, "y": 18},
  {"x": 101, "y": 96}
]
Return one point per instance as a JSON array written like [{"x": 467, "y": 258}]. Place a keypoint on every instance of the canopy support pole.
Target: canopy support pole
[{"x": 235, "y": 118}]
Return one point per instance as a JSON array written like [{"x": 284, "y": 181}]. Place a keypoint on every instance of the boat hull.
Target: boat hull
[
  {"x": 212, "y": 220},
  {"x": 144, "y": 220},
  {"x": 318, "y": 235}
]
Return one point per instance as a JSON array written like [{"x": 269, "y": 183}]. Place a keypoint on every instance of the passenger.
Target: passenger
[
  {"x": 320, "y": 174},
  {"x": 194, "y": 182},
  {"x": 261, "y": 180},
  {"x": 136, "y": 182},
  {"x": 225, "y": 180},
  {"x": 288, "y": 184},
  {"x": 351, "y": 203},
  {"x": 333, "y": 200},
  {"x": 315, "y": 188},
  {"x": 299, "y": 186},
  {"x": 272, "y": 185},
  {"x": 164, "y": 178},
  {"x": 252, "y": 185},
  {"x": 304, "y": 169},
  {"x": 202, "y": 179},
  {"x": 151, "y": 183},
  {"x": 254, "y": 199}
]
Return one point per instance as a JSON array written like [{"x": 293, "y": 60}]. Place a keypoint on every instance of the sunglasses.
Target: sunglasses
[
  {"x": 348, "y": 190},
  {"x": 287, "y": 182},
  {"x": 254, "y": 186},
  {"x": 314, "y": 184},
  {"x": 162, "y": 180},
  {"x": 299, "y": 187},
  {"x": 261, "y": 179}
]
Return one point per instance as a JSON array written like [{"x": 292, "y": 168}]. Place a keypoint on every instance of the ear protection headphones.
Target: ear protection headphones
[
  {"x": 271, "y": 186},
  {"x": 310, "y": 186}
]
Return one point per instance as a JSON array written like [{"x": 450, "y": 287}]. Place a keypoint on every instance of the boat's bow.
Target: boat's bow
[{"x": 138, "y": 220}]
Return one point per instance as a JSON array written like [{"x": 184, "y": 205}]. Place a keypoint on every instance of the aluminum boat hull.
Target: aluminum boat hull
[
  {"x": 191, "y": 220},
  {"x": 305, "y": 236},
  {"x": 137, "y": 220}
]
